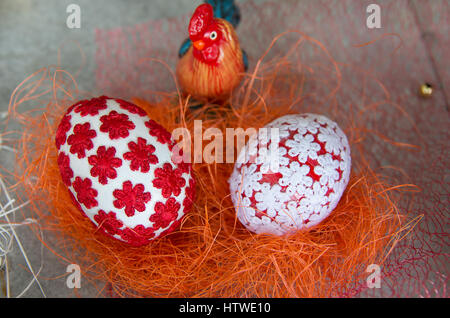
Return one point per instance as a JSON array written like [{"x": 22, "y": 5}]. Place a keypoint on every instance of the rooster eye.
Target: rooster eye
[{"x": 213, "y": 35}]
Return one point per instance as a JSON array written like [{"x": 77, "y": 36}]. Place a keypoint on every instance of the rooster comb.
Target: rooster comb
[{"x": 202, "y": 16}]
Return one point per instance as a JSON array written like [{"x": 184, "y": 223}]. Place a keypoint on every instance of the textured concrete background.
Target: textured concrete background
[{"x": 32, "y": 33}]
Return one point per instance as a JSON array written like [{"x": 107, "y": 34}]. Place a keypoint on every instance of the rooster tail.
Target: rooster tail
[{"x": 227, "y": 10}]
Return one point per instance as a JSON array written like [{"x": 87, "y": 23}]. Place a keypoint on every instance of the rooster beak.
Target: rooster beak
[{"x": 199, "y": 45}]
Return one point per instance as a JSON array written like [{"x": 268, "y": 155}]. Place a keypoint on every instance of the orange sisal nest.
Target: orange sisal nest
[{"x": 212, "y": 254}]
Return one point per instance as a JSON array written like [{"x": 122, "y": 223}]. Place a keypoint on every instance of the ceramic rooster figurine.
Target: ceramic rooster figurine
[{"x": 211, "y": 61}]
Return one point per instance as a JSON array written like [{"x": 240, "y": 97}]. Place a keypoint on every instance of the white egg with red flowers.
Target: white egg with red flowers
[
  {"x": 311, "y": 171},
  {"x": 118, "y": 166}
]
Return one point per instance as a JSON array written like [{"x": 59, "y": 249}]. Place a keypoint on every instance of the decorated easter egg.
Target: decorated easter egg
[
  {"x": 290, "y": 175},
  {"x": 118, "y": 166}
]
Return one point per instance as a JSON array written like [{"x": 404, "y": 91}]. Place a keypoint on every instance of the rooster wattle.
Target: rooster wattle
[{"x": 211, "y": 63}]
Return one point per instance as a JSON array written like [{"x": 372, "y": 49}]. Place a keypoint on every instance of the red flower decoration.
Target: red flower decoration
[
  {"x": 180, "y": 159},
  {"x": 116, "y": 125},
  {"x": 131, "y": 198},
  {"x": 80, "y": 140},
  {"x": 158, "y": 131},
  {"x": 64, "y": 168},
  {"x": 190, "y": 196},
  {"x": 169, "y": 180},
  {"x": 140, "y": 155},
  {"x": 138, "y": 236},
  {"x": 91, "y": 107},
  {"x": 131, "y": 107},
  {"x": 184, "y": 167},
  {"x": 108, "y": 222},
  {"x": 104, "y": 164},
  {"x": 63, "y": 128},
  {"x": 165, "y": 213},
  {"x": 171, "y": 228},
  {"x": 85, "y": 193}
]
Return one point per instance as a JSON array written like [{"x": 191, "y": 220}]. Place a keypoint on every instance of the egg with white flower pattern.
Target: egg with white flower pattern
[
  {"x": 291, "y": 175},
  {"x": 120, "y": 171}
]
